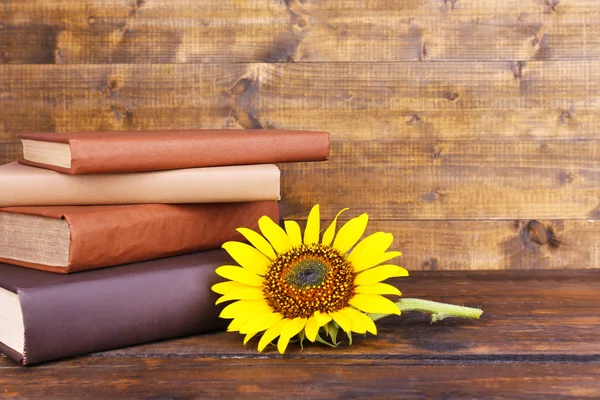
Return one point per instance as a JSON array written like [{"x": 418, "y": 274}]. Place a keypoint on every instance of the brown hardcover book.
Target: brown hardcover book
[
  {"x": 45, "y": 316},
  {"x": 117, "y": 152},
  {"x": 78, "y": 238},
  {"x": 21, "y": 185}
]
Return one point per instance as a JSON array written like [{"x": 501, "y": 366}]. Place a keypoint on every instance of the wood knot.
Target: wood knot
[
  {"x": 436, "y": 152},
  {"x": 564, "y": 117},
  {"x": 423, "y": 51},
  {"x": 91, "y": 20},
  {"x": 112, "y": 85},
  {"x": 246, "y": 118},
  {"x": 552, "y": 4},
  {"x": 452, "y": 96},
  {"x": 414, "y": 119},
  {"x": 241, "y": 86},
  {"x": 434, "y": 195},
  {"x": 538, "y": 37},
  {"x": 567, "y": 177},
  {"x": 121, "y": 112},
  {"x": 135, "y": 7},
  {"x": 449, "y": 4},
  {"x": 538, "y": 233},
  {"x": 431, "y": 264},
  {"x": 518, "y": 69},
  {"x": 58, "y": 56},
  {"x": 302, "y": 23}
]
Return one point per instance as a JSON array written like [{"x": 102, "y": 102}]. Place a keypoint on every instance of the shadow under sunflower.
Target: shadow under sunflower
[{"x": 288, "y": 284}]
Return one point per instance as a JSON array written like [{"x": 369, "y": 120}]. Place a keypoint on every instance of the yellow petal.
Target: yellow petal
[
  {"x": 356, "y": 323},
  {"x": 247, "y": 293},
  {"x": 248, "y": 257},
  {"x": 374, "y": 303},
  {"x": 293, "y": 231},
  {"x": 350, "y": 233},
  {"x": 360, "y": 321},
  {"x": 330, "y": 231},
  {"x": 249, "y": 336},
  {"x": 274, "y": 234},
  {"x": 313, "y": 226},
  {"x": 229, "y": 286},
  {"x": 290, "y": 329},
  {"x": 240, "y": 275},
  {"x": 376, "y": 260},
  {"x": 261, "y": 322},
  {"x": 241, "y": 320},
  {"x": 312, "y": 328},
  {"x": 378, "y": 274},
  {"x": 270, "y": 334},
  {"x": 242, "y": 307},
  {"x": 321, "y": 318},
  {"x": 378, "y": 288},
  {"x": 341, "y": 320},
  {"x": 238, "y": 322},
  {"x": 258, "y": 241},
  {"x": 372, "y": 245}
]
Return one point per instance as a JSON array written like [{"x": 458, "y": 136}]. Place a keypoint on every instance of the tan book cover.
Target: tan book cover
[
  {"x": 118, "y": 152},
  {"x": 67, "y": 239},
  {"x": 21, "y": 185}
]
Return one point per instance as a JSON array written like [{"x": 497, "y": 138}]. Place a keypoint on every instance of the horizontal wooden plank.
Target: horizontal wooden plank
[
  {"x": 179, "y": 31},
  {"x": 266, "y": 379},
  {"x": 544, "y": 316},
  {"x": 537, "y": 335},
  {"x": 399, "y": 179},
  {"x": 490, "y": 244},
  {"x": 548, "y": 315},
  {"x": 458, "y": 100}
]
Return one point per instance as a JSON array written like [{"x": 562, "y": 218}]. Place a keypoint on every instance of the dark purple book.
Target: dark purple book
[{"x": 46, "y": 316}]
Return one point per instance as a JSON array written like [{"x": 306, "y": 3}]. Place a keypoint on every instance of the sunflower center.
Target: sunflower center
[
  {"x": 309, "y": 278},
  {"x": 308, "y": 272}
]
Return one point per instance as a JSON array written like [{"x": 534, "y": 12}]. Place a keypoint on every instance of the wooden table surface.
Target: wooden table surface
[{"x": 538, "y": 338}]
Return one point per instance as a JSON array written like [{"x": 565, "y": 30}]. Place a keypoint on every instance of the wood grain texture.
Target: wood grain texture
[
  {"x": 182, "y": 31},
  {"x": 365, "y": 101},
  {"x": 486, "y": 245},
  {"x": 267, "y": 379},
  {"x": 399, "y": 179},
  {"x": 537, "y": 338}
]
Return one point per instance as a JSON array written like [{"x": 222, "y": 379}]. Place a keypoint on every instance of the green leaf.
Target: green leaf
[
  {"x": 321, "y": 340},
  {"x": 302, "y": 337},
  {"x": 332, "y": 330}
]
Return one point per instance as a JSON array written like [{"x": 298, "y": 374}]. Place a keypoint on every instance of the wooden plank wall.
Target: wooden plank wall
[{"x": 468, "y": 128}]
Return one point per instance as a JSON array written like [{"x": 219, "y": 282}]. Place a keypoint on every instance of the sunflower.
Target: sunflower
[{"x": 292, "y": 285}]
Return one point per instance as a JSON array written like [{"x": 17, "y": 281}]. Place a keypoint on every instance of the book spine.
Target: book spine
[
  {"x": 109, "y": 309},
  {"x": 27, "y": 186},
  {"x": 196, "y": 151}
]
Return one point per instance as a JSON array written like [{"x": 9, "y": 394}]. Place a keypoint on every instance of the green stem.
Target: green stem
[{"x": 437, "y": 310}]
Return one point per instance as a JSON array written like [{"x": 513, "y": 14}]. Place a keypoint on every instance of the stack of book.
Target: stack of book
[{"x": 150, "y": 205}]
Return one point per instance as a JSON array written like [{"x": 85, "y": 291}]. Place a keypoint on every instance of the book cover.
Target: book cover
[
  {"x": 29, "y": 186},
  {"x": 67, "y": 239},
  {"x": 46, "y": 316},
  {"x": 119, "y": 152}
]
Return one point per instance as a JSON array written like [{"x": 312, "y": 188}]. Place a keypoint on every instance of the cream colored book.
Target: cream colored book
[{"x": 21, "y": 185}]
